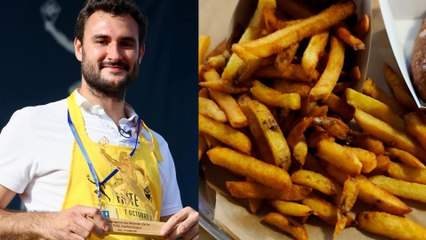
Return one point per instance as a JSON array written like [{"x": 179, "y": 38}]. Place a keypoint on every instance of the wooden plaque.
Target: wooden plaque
[{"x": 136, "y": 227}]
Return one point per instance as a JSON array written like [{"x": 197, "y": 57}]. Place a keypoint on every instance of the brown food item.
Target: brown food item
[{"x": 418, "y": 61}]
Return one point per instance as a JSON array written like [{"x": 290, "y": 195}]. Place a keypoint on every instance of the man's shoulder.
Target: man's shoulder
[{"x": 44, "y": 110}]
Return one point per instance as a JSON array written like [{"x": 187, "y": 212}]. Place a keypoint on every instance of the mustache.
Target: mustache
[{"x": 120, "y": 64}]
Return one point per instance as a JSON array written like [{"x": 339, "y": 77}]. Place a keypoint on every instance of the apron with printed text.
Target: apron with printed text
[{"x": 133, "y": 193}]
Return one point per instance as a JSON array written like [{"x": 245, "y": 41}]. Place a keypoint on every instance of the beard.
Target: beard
[{"x": 103, "y": 87}]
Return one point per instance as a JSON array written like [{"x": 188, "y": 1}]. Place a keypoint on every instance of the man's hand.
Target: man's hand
[
  {"x": 183, "y": 224},
  {"x": 77, "y": 222}
]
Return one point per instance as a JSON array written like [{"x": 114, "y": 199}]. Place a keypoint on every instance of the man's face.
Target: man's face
[{"x": 110, "y": 53}]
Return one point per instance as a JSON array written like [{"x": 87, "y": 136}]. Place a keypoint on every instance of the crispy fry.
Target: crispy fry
[
  {"x": 323, "y": 209},
  {"x": 258, "y": 191},
  {"x": 398, "y": 88},
  {"x": 296, "y": 9},
  {"x": 362, "y": 27},
  {"x": 210, "y": 109},
  {"x": 340, "y": 156},
  {"x": 248, "y": 166},
  {"x": 313, "y": 52},
  {"x": 389, "y": 135},
  {"x": 291, "y": 208},
  {"x": 288, "y": 225},
  {"x": 224, "y": 133},
  {"x": 349, "y": 195},
  {"x": 285, "y": 57},
  {"x": 324, "y": 86},
  {"x": 292, "y": 72},
  {"x": 285, "y": 86},
  {"x": 383, "y": 163},
  {"x": 228, "y": 104},
  {"x": 374, "y": 195},
  {"x": 281, "y": 39},
  {"x": 341, "y": 223},
  {"x": 375, "y": 108},
  {"x": 203, "y": 92},
  {"x": 389, "y": 225},
  {"x": 372, "y": 90},
  {"x": 367, "y": 142},
  {"x": 339, "y": 106},
  {"x": 405, "y": 157},
  {"x": 416, "y": 127},
  {"x": 266, "y": 133},
  {"x": 223, "y": 86},
  {"x": 343, "y": 33},
  {"x": 407, "y": 173},
  {"x": 333, "y": 126},
  {"x": 275, "y": 98},
  {"x": 211, "y": 141},
  {"x": 297, "y": 141},
  {"x": 203, "y": 45},
  {"x": 401, "y": 188},
  {"x": 314, "y": 180}
]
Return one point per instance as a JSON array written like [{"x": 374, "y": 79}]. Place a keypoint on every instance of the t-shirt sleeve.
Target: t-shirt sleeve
[
  {"x": 171, "y": 200},
  {"x": 17, "y": 165}
]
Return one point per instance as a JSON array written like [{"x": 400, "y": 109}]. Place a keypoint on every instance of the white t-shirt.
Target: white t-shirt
[{"x": 36, "y": 151}]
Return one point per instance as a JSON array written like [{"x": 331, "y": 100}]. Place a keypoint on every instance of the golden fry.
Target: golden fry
[
  {"x": 343, "y": 33},
  {"x": 227, "y": 103},
  {"x": 288, "y": 225},
  {"x": 372, "y": 90},
  {"x": 255, "y": 190},
  {"x": 375, "y": 195},
  {"x": 224, "y": 133},
  {"x": 349, "y": 195},
  {"x": 389, "y": 225},
  {"x": 223, "y": 86},
  {"x": 210, "y": 109},
  {"x": 203, "y": 45},
  {"x": 340, "y": 106},
  {"x": 297, "y": 141},
  {"x": 416, "y": 127},
  {"x": 275, "y": 98},
  {"x": 313, "y": 52},
  {"x": 285, "y": 57},
  {"x": 401, "y": 188},
  {"x": 362, "y": 27},
  {"x": 407, "y": 173},
  {"x": 281, "y": 39},
  {"x": 375, "y": 108},
  {"x": 367, "y": 142},
  {"x": 292, "y": 72},
  {"x": 314, "y": 180},
  {"x": 266, "y": 133},
  {"x": 324, "y": 86},
  {"x": 389, "y": 135},
  {"x": 202, "y": 145},
  {"x": 248, "y": 166},
  {"x": 398, "y": 88},
  {"x": 323, "y": 209},
  {"x": 405, "y": 157},
  {"x": 291, "y": 208},
  {"x": 340, "y": 156},
  {"x": 286, "y": 86}
]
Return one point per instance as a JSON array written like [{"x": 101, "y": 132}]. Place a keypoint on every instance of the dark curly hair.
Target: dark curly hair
[{"x": 115, "y": 7}]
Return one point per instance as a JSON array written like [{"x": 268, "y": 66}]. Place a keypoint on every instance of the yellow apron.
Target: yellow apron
[{"x": 133, "y": 193}]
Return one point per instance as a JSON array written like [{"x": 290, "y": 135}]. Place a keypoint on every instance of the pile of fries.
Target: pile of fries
[{"x": 281, "y": 109}]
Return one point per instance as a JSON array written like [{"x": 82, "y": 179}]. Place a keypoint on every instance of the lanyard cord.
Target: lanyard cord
[{"x": 89, "y": 162}]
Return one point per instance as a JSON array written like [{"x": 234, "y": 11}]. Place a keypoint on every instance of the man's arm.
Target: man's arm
[
  {"x": 72, "y": 223},
  {"x": 182, "y": 224}
]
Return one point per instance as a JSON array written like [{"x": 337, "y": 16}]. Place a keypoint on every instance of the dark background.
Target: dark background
[{"x": 36, "y": 69}]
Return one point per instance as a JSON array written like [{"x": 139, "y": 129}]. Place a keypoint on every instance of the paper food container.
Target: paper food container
[
  {"x": 402, "y": 20},
  {"x": 224, "y": 217}
]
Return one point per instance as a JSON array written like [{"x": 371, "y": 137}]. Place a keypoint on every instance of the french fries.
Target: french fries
[
  {"x": 389, "y": 225},
  {"x": 248, "y": 166},
  {"x": 281, "y": 39},
  {"x": 303, "y": 139},
  {"x": 288, "y": 225}
]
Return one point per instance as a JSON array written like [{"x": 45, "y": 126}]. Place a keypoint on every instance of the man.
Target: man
[{"x": 80, "y": 159}]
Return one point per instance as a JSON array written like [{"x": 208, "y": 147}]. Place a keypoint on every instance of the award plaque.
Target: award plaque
[{"x": 136, "y": 227}]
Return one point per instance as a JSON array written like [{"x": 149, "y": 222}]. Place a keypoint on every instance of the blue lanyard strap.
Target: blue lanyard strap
[{"x": 89, "y": 162}]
